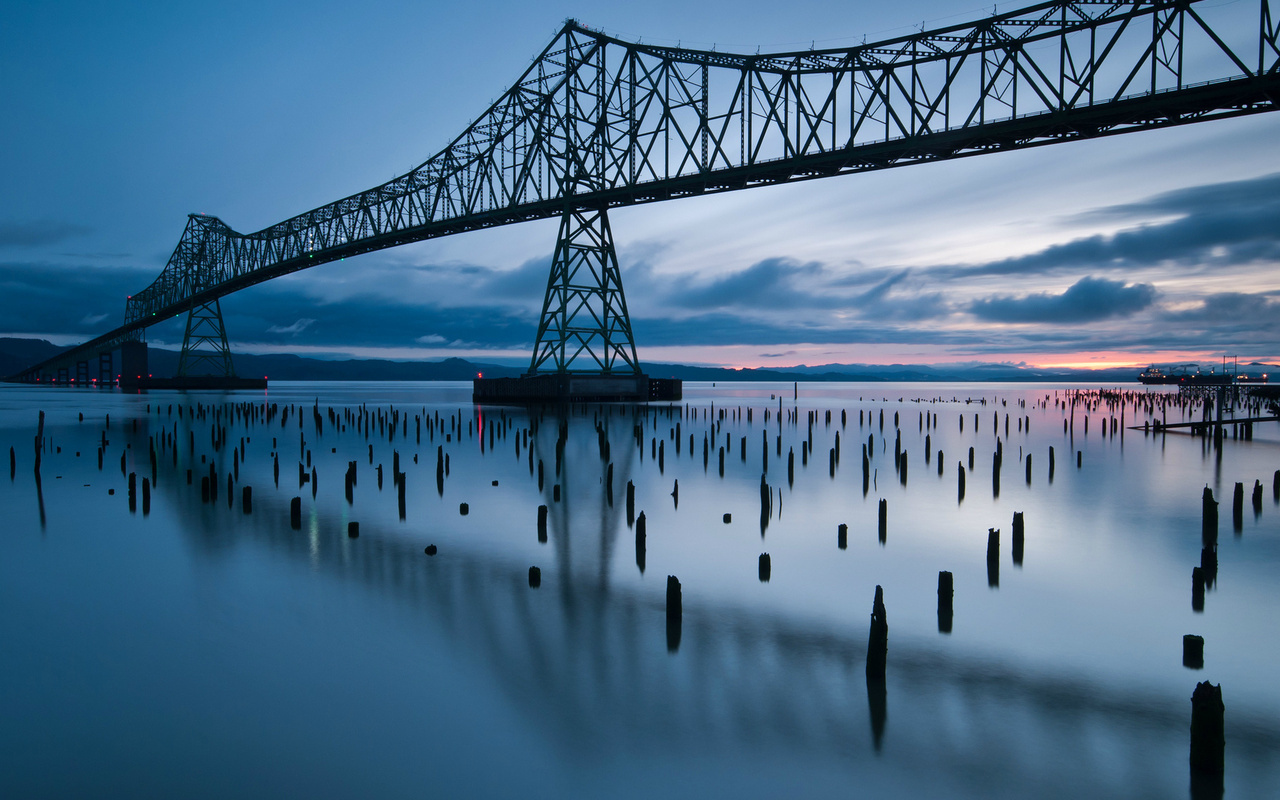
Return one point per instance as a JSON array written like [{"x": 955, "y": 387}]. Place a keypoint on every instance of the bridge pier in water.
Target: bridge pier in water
[{"x": 76, "y": 367}]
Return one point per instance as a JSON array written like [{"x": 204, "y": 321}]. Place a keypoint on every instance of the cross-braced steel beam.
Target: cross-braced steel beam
[
  {"x": 584, "y": 325},
  {"x": 204, "y": 346}
]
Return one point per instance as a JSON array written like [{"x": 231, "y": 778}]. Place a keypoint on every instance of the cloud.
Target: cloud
[
  {"x": 35, "y": 233},
  {"x": 1235, "y": 223},
  {"x": 297, "y": 327},
  {"x": 53, "y": 298},
  {"x": 769, "y": 284},
  {"x": 1087, "y": 300},
  {"x": 1232, "y": 307},
  {"x": 780, "y": 286}
]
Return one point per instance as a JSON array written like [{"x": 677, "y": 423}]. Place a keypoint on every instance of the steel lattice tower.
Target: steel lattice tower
[
  {"x": 204, "y": 347},
  {"x": 584, "y": 325}
]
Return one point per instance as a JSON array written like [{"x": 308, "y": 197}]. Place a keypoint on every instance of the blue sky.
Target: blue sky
[{"x": 121, "y": 119}]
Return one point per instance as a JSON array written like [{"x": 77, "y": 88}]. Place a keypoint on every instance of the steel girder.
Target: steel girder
[{"x": 605, "y": 123}]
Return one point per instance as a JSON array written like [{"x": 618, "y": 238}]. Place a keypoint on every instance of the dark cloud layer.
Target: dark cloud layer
[
  {"x": 64, "y": 298},
  {"x": 1087, "y": 300},
  {"x": 773, "y": 283},
  {"x": 380, "y": 301},
  {"x": 1233, "y": 223},
  {"x": 37, "y": 233}
]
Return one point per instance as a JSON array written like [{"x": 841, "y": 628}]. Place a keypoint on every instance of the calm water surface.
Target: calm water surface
[{"x": 193, "y": 650}]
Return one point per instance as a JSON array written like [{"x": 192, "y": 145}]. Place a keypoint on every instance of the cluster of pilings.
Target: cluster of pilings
[{"x": 231, "y": 426}]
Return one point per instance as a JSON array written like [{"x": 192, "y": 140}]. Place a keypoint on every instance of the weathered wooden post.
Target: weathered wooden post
[
  {"x": 842, "y": 536},
  {"x": 1208, "y": 738},
  {"x": 353, "y": 530},
  {"x": 675, "y": 613},
  {"x": 631, "y": 503},
  {"x": 765, "y": 567},
  {"x": 993, "y": 557},
  {"x": 1197, "y": 589},
  {"x": 246, "y": 499},
  {"x": 884, "y": 520},
  {"x": 1209, "y": 517},
  {"x": 295, "y": 513},
  {"x": 878, "y": 641},
  {"x": 641, "y": 535},
  {"x": 946, "y": 594},
  {"x": 1017, "y": 538},
  {"x": 542, "y": 524},
  {"x": 1193, "y": 651},
  {"x": 535, "y": 574}
]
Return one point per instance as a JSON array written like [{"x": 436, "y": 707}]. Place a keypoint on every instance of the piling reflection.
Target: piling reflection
[{"x": 594, "y": 664}]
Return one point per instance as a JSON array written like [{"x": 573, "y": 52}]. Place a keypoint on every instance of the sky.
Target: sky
[{"x": 120, "y": 119}]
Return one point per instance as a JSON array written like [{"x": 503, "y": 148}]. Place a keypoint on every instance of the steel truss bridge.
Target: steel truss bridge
[{"x": 597, "y": 123}]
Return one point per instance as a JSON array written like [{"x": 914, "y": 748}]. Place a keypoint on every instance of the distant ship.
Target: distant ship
[{"x": 1154, "y": 375}]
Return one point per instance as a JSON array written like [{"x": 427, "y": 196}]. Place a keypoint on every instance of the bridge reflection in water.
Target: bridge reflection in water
[{"x": 585, "y": 661}]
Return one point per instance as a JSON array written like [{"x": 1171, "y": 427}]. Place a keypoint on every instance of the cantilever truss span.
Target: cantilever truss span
[{"x": 597, "y": 123}]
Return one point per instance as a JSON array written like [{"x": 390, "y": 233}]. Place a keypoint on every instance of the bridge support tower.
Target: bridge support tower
[
  {"x": 584, "y": 349},
  {"x": 205, "y": 351}
]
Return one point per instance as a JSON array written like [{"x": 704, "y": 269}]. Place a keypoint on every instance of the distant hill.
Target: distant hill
[{"x": 16, "y": 354}]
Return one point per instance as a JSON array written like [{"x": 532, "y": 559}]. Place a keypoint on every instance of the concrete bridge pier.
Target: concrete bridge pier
[{"x": 133, "y": 364}]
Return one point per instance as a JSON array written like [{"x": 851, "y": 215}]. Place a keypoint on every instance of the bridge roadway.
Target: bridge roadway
[
  {"x": 597, "y": 122},
  {"x": 587, "y": 664}
]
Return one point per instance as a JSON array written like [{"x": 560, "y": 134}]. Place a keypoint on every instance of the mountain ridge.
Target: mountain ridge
[{"x": 18, "y": 353}]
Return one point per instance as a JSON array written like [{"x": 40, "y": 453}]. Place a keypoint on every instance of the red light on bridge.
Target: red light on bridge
[{"x": 479, "y": 374}]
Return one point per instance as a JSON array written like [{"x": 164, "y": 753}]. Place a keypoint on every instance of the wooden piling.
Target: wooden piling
[
  {"x": 765, "y": 568},
  {"x": 1193, "y": 651},
  {"x": 353, "y": 530},
  {"x": 1208, "y": 517},
  {"x": 993, "y": 557},
  {"x": 246, "y": 499},
  {"x": 884, "y": 520},
  {"x": 675, "y": 604},
  {"x": 878, "y": 640},
  {"x": 1208, "y": 739},
  {"x": 295, "y": 513},
  {"x": 842, "y": 536},
  {"x": 1017, "y": 538},
  {"x": 946, "y": 594}
]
